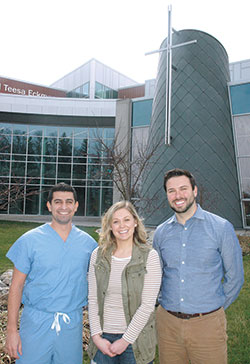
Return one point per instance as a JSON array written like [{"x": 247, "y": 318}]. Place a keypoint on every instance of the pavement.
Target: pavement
[
  {"x": 81, "y": 221},
  {"x": 77, "y": 220}
]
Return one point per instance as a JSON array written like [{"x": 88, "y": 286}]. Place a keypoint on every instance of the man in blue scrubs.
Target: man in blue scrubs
[{"x": 50, "y": 279}]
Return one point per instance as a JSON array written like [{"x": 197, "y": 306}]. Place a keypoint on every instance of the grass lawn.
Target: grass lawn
[
  {"x": 10, "y": 231},
  {"x": 238, "y": 314}
]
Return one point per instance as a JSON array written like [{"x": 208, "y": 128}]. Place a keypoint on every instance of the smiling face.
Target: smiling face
[
  {"x": 62, "y": 207},
  {"x": 123, "y": 225},
  {"x": 181, "y": 196}
]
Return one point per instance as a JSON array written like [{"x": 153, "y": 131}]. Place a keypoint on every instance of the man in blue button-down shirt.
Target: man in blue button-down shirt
[{"x": 202, "y": 275}]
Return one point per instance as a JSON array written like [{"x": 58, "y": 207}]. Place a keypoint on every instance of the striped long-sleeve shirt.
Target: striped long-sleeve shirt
[{"x": 114, "y": 318}]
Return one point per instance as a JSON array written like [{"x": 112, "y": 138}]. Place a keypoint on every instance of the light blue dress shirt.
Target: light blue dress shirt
[{"x": 201, "y": 262}]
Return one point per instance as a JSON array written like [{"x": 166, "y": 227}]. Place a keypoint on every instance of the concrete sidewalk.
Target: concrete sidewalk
[
  {"x": 81, "y": 221},
  {"x": 77, "y": 220}
]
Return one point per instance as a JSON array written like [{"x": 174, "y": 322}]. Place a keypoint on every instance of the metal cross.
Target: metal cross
[{"x": 169, "y": 73}]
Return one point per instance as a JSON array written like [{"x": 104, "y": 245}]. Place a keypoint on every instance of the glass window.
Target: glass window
[
  {"x": 81, "y": 133},
  {"x": 99, "y": 90},
  {"x": 33, "y": 181},
  {"x": 64, "y": 180},
  {"x": 18, "y": 169},
  {"x": 5, "y": 128},
  {"x": 107, "y": 183},
  {"x": 94, "y": 171},
  {"x": 16, "y": 205},
  {"x": 95, "y": 133},
  {"x": 66, "y": 132},
  {"x": 93, "y": 200},
  {"x": 245, "y": 176},
  {"x": 80, "y": 92},
  {"x": 44, "y": 196},
  {"x": 49, "y": 159},
  {"x": 51, "y": 131},
  {"x": 95, "y": 148},
  {"x": 96, "y": 183},
  {"x": 81, "y": 200},
  {"x": 5, "y": 143},
  {"x": 19, "y": 144},
  {"x": 79, "y": 182},
  {"x": 33, "y": 169},
  {"x": 107, "y": 199},
  {"x": 141, "y": 112},
  {"x": 64, "y": 171},
  {"x": 50, "y": 146},
  {"x": 49, "y": 181},
  {"x": 80, "y": 147},
  {"x": 4, "y": 168},
  {"x": 17, "y": 180},
  {"x": 34, "y": 145},
  {"x": 240, "y": 98},
  {"x": 49, "y": 170},
  {"x": 107, "y": 147},
  {"x": 104, "y": 92},
  {"x": 35, "y": 130},
  {"x": 65, "y": 147},
  {"x": 86, "y": 90},
  {"x": 20, "y": 129},
  {"x": 107, "y": 173},
  {"x": 16, "y": 157},
  {"x": 44, "y": 157},
  {"x": 4, "y": 157},
  {"x": 34, "y": 158},
  {"x": 246, "y": 206},
  {"x": 109, "y": 133},
  {"x": 64, "y": 159},
  {"x": 4, "y": 195},
  {"x": 79, "y": 171},
  {"x": 79, "y": 160},
  {"x": 32, "y": 200}
]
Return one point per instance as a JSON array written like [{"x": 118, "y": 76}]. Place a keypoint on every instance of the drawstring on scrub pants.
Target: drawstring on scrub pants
[{"x": 56, "y": 323}]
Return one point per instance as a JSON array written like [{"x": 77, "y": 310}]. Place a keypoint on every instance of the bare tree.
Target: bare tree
[
  {"x": 206, "y": 198},
  {"x": 125, "y": 165},
  {"x": 12, "y": 194}
]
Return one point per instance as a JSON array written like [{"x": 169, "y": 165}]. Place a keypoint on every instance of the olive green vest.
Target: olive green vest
[{"x": 132, "y": 286}]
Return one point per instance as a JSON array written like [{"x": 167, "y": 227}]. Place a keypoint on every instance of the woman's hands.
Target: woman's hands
[
  {"x": 103, "y": 345},
  {"x": 119, "y": 346}
]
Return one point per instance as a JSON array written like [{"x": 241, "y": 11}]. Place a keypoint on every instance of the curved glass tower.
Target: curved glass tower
[{"x": 201, "y": 128}]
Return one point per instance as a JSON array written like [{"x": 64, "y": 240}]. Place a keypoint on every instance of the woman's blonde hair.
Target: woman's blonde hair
[{"x": 107, "y": 238}]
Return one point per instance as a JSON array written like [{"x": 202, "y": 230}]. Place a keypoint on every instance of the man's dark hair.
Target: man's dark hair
[
  {"x": 62, "y": 187},
  {"x": 177, "y": 172}
]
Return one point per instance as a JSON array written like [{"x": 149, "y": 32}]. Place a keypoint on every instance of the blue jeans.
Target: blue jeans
[{"x": 127, "y": 357}]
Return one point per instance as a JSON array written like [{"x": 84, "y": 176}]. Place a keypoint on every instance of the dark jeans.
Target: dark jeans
[{"x": 127, "y": 357}]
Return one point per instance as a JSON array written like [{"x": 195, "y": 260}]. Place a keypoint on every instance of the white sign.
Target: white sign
[{"x": 19, "y": 91}]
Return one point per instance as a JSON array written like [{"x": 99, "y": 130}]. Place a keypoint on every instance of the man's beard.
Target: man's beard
[{"x": 185, "y": 209}]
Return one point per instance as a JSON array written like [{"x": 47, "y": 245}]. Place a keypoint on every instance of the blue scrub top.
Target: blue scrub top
[{"x": 56, "y": 270}]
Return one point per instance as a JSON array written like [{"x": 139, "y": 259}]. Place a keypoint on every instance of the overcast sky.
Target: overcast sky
[{"x": 43, "y": 40}]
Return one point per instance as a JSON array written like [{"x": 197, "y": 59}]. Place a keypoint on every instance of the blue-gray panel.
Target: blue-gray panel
[
  {"x": 201, "y": 130},
  {"x": 141, "y": 112},
  {"x": 240, "y": 98}
]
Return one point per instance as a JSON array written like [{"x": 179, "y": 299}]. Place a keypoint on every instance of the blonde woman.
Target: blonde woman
[{"x": 124, "y": 281}]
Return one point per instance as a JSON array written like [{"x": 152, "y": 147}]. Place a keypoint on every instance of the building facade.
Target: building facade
[{"x": 53, "y": 134}]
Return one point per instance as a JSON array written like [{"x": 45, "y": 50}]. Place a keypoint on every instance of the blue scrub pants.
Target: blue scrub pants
[{"x": 42, "y": 345}]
